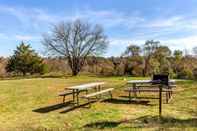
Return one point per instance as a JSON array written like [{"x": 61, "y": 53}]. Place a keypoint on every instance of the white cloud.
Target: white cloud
[
  {"x": 26, "y": 37},
  {"x": 126, "y": 41},
  {"x": 24, "y": 14},
  {"x": 187, "y": 43},
  {"x": 31, "y": 17},
  {"x": 3, "y": 36},
  {"x": 18, "y": 37},
  {"x": 164, "y": 22},
  {"x": 140, "y": 28},
  {"x": 183, "y": 43},
  {"x": 108, "y": 18},
  {"x": 36, "y": 17},
  {"x": 164, "y": 26}
]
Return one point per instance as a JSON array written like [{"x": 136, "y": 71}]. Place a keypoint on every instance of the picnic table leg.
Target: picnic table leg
[
  {"x": 73, "y": 95},
  {"x": 110, "y": 93},
  {"x": 99, "y": 89},
  {"x": 130, "y": 95},
  {"x": 138, "y": 88},
  {"x": 170, "y": 94},
  {"x": 77, "y": 93},
  {"x": 96, "y": 89},
  {"x": 64, "y": 99},
  {"x": 167, "y": 97},
  {"x": 89, "y": 103},
  {"x": 134, "y": 90}
]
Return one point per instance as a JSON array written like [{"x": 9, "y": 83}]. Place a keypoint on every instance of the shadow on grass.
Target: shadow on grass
[
  {"x": 167, "y": 122},
  {"x": 77, "y": 107},
  {"x": 68, "y": 106},
  {"x": 141, "y": 97},
  {"x": 52, "y": 107},
  {"x": 146, "y": 122},
  {"x": 103, "y": 124},
  {"x": 122, "y": 101}
]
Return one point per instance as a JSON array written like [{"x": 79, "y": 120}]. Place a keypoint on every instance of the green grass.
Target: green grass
[{"x": 22, "y": 101}]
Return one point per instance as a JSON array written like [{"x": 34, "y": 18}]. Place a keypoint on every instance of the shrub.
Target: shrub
[
  {"x": 25, "y": 60},
  {"x": 195, "y": 73},
  {"x": 185, "y": 74}
]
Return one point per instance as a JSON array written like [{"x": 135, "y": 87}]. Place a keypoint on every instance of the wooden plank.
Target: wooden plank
[
  {"x": 64, "y": 93},
  {"x": 145, "y": 81},
  {"x": 138, "y": 81},
  {"x": 98, "y": 93},
  {"x": 172, "y": 86},
  {"x": 146, "y": 86},
  {"x": 86, "y": 86},
  {"x": 148, "y": 90}
]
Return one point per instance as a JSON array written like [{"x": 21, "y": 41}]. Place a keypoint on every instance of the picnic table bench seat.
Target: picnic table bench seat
[
  {"x": 151, "y": 86},
  {"x": 64, "y": 94},
  {"x": 147, "y": 89},
  {"x": 67, "y": 92},
  {"x": 168, "y": 91},
  {"x": 89, "y": 96},
  {"x": 98, "y": 93},
  {"x": 172, "y": 86},
  {"x": 76, "y": 90}
]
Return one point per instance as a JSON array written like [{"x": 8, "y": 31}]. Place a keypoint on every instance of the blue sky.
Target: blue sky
[{"x": 172, "y": 22}]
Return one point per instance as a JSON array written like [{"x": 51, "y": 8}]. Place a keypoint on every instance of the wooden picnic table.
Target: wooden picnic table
[
  {"x": 146, "y": 81},
  {"x": 84, "y": 87},
  {"x": 135, "y": 84}
]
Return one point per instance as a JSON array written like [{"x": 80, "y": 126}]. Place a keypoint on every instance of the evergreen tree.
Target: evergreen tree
[{"x": 25, "y": 60}]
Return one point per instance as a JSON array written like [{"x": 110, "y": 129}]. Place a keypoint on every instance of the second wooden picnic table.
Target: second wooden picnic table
[
  {"x": 135, "y": 84},
  {"x": 135, "y": 88},
  {"x": 84, "y": 87}
]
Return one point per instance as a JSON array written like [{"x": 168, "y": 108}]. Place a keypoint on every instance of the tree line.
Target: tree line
[{"x": 77, "y": 47}]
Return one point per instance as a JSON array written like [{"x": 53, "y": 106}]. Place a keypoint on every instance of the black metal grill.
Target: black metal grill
[{"x": 161, "y": 79}]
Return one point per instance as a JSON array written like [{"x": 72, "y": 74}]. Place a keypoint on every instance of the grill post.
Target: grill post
[{"x": 160, "y": 100}]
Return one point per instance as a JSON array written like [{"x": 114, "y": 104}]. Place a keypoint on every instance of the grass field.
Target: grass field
[{"x": 33, "y": 104}]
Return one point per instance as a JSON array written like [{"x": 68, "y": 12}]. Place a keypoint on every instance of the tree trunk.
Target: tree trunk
[
  {"x": 74, "y": 72},
  {"x": 24, "y": 73},
  {"x": 146, "y": 66},
  {"x": 75, "y": 69}
]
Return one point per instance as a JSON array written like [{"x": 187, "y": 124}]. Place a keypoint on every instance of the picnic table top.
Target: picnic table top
[
  {"x": 145, "y": 81},
  {"x": 86, "y": 86}
]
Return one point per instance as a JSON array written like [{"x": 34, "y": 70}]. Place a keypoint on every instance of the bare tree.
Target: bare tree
[
  {"x": 132, "y": 50},
  {"x": 75, "y": 41},
  {"x": 195, "y": 51},
  {"x": 150, "y": 48}
]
